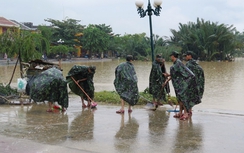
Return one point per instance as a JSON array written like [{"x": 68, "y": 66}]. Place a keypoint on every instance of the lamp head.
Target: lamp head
[
  {"x": 139, "y": 4},
  {"x": 157, "y": 3}
]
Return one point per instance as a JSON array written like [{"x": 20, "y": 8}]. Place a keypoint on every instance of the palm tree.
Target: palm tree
[{"x": 207, "y": 40}]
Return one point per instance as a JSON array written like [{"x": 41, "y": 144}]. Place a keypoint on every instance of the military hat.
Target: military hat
[
  {"x": 129, "y": 57},
  {"x": 190, "y": 53},
  {"x": 92, "y": 68},
  {"x": 174, "y": 53},
  {"x": 158, "y": 56}
]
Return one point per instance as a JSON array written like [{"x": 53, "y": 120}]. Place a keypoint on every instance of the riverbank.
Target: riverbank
[{"x": 83, "y": 60}]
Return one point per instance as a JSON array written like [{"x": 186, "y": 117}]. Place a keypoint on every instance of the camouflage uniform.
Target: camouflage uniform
[
  {"x": 156, "y": 81},
  {"x": 80, "y": 72},
  {"x": 126, "y": 83},
  {"x": 184, "y": 83},
  {"x": 199, "y": 74},
  {"x": 51, "y": 86}
]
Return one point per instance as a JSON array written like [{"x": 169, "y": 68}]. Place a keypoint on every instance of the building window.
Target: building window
[{"x": 4, "y": 29}]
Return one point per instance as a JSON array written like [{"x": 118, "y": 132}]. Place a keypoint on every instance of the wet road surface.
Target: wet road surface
[
  {"x": 216, "y": 126},
  {"x": 29, "y": 129}
]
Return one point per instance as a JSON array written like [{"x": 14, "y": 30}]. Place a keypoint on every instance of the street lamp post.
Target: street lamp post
[
  {"x": 60, "y": 41},
  {"x": 149, "y": 11}
]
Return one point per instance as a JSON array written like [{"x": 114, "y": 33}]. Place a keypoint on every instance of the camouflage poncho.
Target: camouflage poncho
[
  {"x": 126, "y": 83},
  {"x": 156, "y": 81},
  {"x": 79, "y": 72},
  {"x": 51, "y": 86},
  {"x": 163, "y": 68},
  {"x": 184, "y": 83},
  {"x": 199, "y": 74}
]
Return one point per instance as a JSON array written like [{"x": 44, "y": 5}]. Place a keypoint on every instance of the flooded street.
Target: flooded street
[
  {"x": 216, "y": 126},
  {"x": 104, "y": 131}
]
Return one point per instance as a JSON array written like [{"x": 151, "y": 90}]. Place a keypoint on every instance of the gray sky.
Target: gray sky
[{"x": 122, "y": 15}]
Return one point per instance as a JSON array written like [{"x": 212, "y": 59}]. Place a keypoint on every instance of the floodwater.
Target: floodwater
[
  {"x": 216, "y": 126},
  {"x": 224, "y": 85}
]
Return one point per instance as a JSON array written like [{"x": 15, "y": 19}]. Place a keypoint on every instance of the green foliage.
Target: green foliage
[
  {"x": 7, "y": 90},
  {"x": 104, "y": 28},
  {"x": 26, "y": 43},
  {"x": 6, "y": 43},
  {"x": 65, "y": 30},
  {"x": 59, "y": 49},
  {"x": 30, "y": 46},
  {"x": 95, "y": 40},
  {"x": 239, "y": 44},
  {"x": 205, "y": 38},
  {"x": 209, "y": 41},
  {"x": 166, "y": 50},
  {"x": 136, "y": 45},
  {"x": 46, "y": 33}
]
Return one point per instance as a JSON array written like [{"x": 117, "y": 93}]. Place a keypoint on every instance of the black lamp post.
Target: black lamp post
[
  {"x": 60, "y": 41},
  {"x": 150, "y": 11}
]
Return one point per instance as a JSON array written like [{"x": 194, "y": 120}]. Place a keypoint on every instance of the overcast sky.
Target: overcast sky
[{"x": 122, "y": 15}]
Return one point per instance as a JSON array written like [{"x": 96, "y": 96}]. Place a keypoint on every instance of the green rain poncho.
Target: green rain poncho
[
  {"x": 156, "y": 81},
  {"x": 79, "y": 72},
  {"x": 49, "y": 85},
  {"x": 199, "y": 74},
  {"x": 126, "y": 83},
  {"x": 184, "y": 83}
]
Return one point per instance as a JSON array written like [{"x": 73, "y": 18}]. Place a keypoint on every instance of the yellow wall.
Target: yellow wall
[{"x": 15, "y": 29}]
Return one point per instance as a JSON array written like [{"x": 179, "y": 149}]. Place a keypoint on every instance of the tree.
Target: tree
[
  {"x": 30, "y": 45},
  {"x": 47, "y": 33},
  {"x": 103, "y": 27},
  {"x": 6, "y": 41},
  {"x": 239, "y": 44},
  {"x": 207, "y": 40},
  {"x": 25, "y": 43},
  {"x": 60, "y": 49},
  {"x": 65, "y": 30},
  {"x": 136, "y": 45},
  {"x": 95, "y": 40}
]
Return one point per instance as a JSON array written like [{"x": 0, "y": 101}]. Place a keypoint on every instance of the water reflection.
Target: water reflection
[
  {"x": 51, "y": 128},
  {"x": 83, "y": 125},
  {"x": 158, "y": 122},
  {"x": 126, "y": 136},
  {"x": 189, "y": 137}
]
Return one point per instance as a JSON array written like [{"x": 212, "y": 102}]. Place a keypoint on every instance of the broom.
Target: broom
[{"x": 93, "y": 103}]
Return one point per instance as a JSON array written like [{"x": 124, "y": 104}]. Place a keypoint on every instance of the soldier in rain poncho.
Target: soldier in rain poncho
[
  {"x": 51, "y": 86},
  {"x": 185, "y": 86},
  {"x": 126, "y": 84},
  {"x": 156, "y": 81},
  {"x": 84, "y": 77},
  {"x": 197, "y": 70}
]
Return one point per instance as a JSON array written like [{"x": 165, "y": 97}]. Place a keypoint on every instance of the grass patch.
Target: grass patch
[
  {"x": 112, "y": 97},
  {"x": 7, "y": 90}
]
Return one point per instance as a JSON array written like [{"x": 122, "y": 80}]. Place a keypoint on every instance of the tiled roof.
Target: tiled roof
[
  {"x": 22, "y": 26},
  {"x": 7, "y": 23}
]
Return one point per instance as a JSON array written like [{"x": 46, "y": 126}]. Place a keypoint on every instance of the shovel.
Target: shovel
[{"x": 93, "y": 104}]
